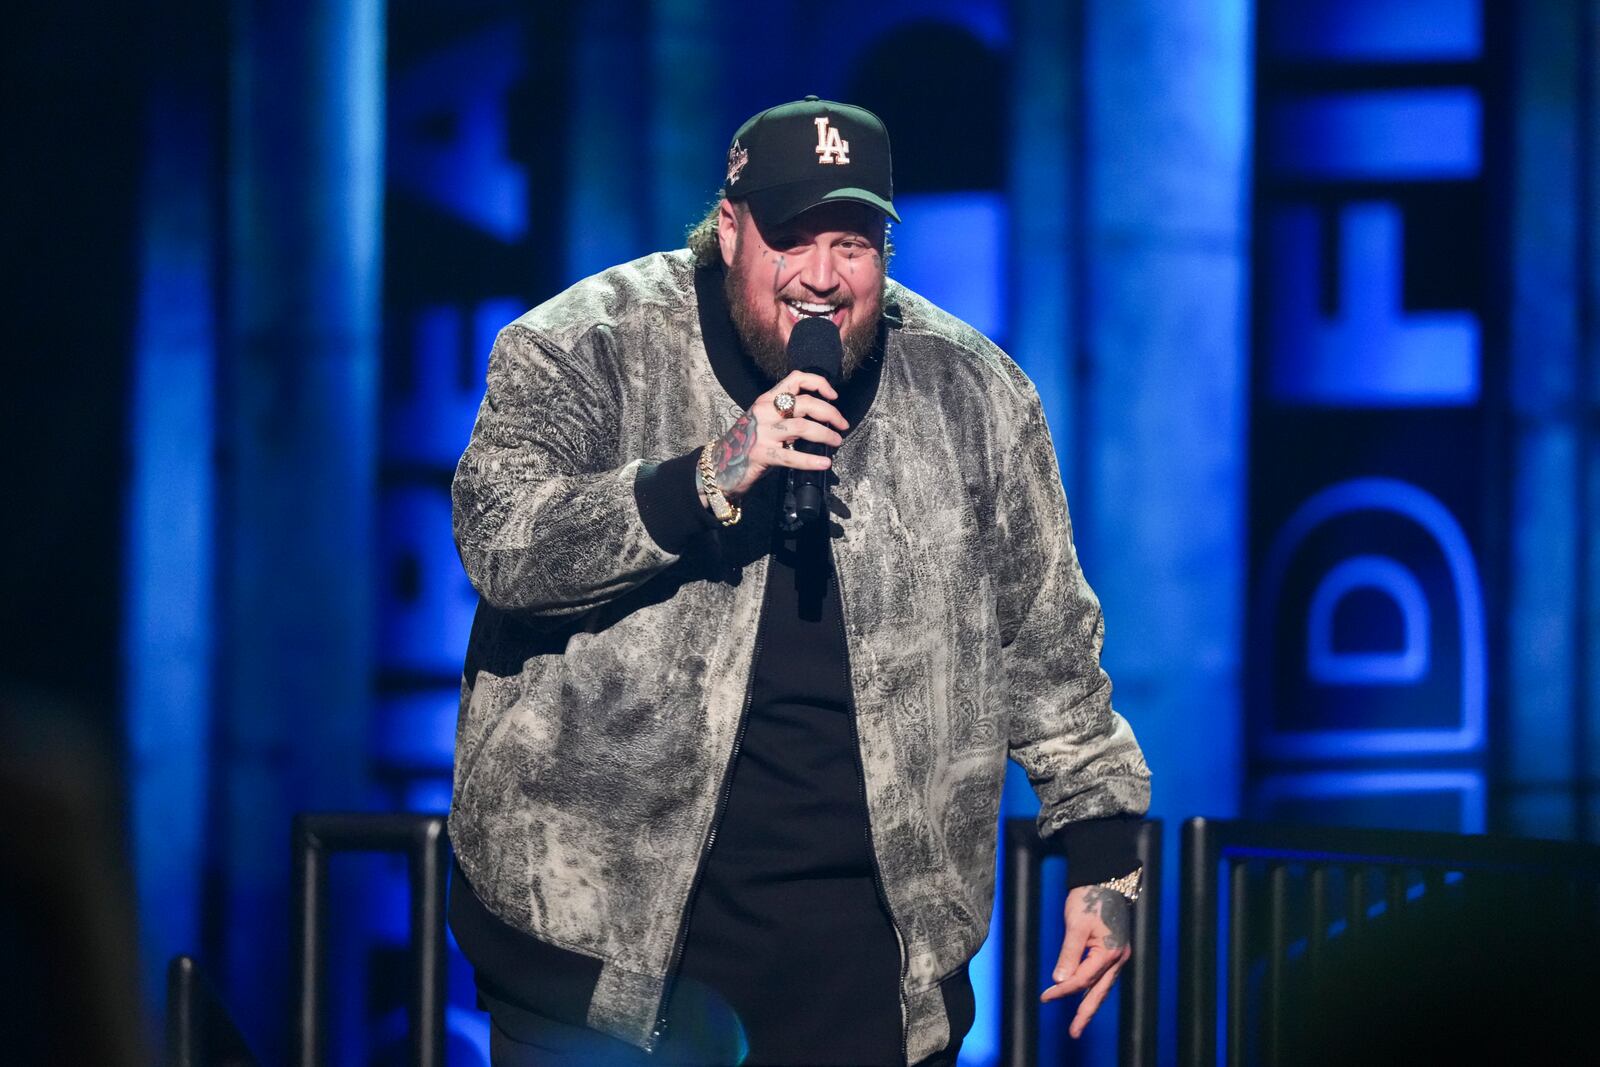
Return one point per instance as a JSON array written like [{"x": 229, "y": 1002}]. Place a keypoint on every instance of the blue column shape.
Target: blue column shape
[
  {"x": 1590, "y": 294},
  {"x": 687, "y": 138},
  {"x": 1160, "y": 513},
  {"x": 168, "y": 612},
  {"x": 1551, "y": 370},
  {"x": 1045, "y": 197},
  {"x": 607, "y": 212},
  {"x": 298, "y": 410}
]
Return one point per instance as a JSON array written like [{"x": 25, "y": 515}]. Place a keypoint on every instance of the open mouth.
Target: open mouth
[{"x": 804, "y": 309}]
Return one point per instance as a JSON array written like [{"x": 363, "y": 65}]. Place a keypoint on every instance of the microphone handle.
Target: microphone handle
[{"x": 811, "y": 487}]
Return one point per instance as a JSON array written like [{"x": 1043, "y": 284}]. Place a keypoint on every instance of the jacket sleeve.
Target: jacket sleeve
[
  {"x": 1080, "y": 755},
  {"x": 545, "y": 512}
]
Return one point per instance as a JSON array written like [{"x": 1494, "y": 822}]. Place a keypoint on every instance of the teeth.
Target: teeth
[{"x": 798, "y": 308}]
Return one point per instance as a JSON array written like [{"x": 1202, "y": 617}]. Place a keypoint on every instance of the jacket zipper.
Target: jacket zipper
[
  {"x": 866, "y": 810},
  {"x": 711, "y": 836}
]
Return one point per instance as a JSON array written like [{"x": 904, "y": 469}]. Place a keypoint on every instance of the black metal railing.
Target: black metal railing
[
  {"x": 200, "y": 1032},
  {"x": 1020, "y": 952},
  {"x": 1294, "y": 893},
  {"x": 422, "y": 839}
]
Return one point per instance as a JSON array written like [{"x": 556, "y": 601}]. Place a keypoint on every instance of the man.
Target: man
[{"x": 725, "y": 788}]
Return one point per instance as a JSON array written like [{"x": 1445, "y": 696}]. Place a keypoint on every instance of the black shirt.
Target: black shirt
[{"x": 787, "y": 923}]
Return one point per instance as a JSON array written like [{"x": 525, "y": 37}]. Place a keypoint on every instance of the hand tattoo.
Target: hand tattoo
[
  {"x": 731, "y": 457},
  {"x": 1113, "y": 909}
]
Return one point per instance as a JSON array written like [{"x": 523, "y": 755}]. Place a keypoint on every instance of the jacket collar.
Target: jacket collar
[{"x": 738, "y": 373}]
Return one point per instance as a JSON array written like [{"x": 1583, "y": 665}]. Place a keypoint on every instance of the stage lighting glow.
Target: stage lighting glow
[
  {"x": 1394, "y": 134},
  {"x": 1368, "y": 30}
]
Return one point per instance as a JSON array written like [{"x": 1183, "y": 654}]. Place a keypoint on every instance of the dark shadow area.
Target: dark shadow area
[
  {"x": 68, "y": 950},
  {"x": 945, "y": 130},
  {"x": 72, "y": 115},
  {"x": 1496, "y": 973}
]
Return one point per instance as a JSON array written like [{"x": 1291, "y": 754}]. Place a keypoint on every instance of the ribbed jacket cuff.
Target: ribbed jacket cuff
[
  {"x": 1098, "y": 849},
  {"x": 669, "y": 501}
]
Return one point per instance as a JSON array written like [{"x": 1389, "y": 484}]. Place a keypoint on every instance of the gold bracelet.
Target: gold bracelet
[
  {"x": 726, "y": 512},
  {"x": 1128, "y": 885}
]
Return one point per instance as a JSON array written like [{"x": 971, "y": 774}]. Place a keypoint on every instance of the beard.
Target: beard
[{"x": 759, "y": 333}]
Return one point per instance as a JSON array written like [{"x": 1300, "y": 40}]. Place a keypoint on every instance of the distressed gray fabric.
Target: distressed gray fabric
[{"x": 606, "y": 677}]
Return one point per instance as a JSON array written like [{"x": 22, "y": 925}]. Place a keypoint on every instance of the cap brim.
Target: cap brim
[{"x": 783, "y": 202}]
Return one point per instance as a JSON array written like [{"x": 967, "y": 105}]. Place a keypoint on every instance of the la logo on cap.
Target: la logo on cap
[{"x": 831, "y": 148}]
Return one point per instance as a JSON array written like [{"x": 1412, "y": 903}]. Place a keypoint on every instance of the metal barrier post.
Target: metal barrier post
[
  {"x": 310, "y": 889},
  {"x": 1197, "y": 946},
  {"x": 200, "y": 1032},
  {"x": 422, "y": 839},
  {"x": 430, "y": 867},
  {"x": 1141, "y": 978},
  {"x": 1019, "y": 1009}
]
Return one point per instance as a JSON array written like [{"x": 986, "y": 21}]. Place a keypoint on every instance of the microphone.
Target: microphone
[{"x": 814, "y": 347}]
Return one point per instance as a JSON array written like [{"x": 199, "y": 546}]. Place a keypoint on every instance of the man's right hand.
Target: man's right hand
[{"x": 759, "y": 440}]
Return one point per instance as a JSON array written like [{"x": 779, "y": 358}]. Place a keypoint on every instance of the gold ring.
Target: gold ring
[{"x": 784, "y": 402}]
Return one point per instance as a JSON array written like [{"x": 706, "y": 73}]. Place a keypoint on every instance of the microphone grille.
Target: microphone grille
[{"x": 815, "y": 342}]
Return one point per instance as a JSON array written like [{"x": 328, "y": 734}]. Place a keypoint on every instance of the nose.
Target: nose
[{"x": 820, "y": 275}]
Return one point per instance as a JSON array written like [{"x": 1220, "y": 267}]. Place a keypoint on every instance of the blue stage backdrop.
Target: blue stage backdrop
[
  {"x": 1071, "y": 187},
  {"x": 1376, "y": 606}
]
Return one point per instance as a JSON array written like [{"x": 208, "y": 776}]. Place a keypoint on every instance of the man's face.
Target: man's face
[{"x": 824, "y": 262}]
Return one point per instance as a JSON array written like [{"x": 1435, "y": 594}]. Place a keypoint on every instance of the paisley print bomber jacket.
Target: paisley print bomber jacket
[{"x": 607, "y": 676}]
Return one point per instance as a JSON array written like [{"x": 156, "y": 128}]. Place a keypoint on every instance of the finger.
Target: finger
[
  {"x": 1087, "y": 973},
  {"x": 1071, "y": 951},
  {"x": 819, "y": 410},
  {"x": 775, "y": 455},
  {"x": 797, "y": 380},
  {"x": 1096, "y": 996},
  {"x": 789, "y": 429}
]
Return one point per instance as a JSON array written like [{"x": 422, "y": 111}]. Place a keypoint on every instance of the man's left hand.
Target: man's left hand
[{"x": 1098, "y": 920}]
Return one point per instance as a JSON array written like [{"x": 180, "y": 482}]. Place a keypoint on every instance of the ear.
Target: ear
[{"x": 727, "y": 231}]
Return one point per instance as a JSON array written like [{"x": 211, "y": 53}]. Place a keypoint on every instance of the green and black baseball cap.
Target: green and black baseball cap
[{"x": 792, "y": 157}]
